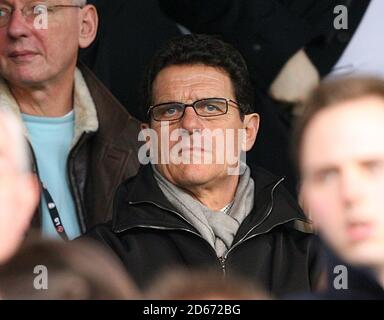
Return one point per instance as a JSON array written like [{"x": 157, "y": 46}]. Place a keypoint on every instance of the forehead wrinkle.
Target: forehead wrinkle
[
  {"x": 189, "y": 87},
  {"x": 24, "y": 2},
  {"x": 197, "y": 76},
  {"x": 5, "y": 2}
]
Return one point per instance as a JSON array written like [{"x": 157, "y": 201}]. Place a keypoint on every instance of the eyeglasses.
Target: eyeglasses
[
  {"x": 171, "y": 111},
  {"x": 31, "y": 11}
]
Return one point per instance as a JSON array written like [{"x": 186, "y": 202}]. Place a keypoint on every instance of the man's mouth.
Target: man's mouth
[
  {"x": 192, "y": 149},
  {"x": 22, "y": 55},
  {"x": 359, "y": 231}
]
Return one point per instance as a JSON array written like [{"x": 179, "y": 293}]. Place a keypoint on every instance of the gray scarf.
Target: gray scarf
[{"x": 217, "y": 227}]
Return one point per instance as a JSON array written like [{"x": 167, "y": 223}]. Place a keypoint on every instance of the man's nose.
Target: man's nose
[
  {"x": 350, "y": 187},
  {"x": 191, "y": 120},
  {"x": 18, "y": 26}
]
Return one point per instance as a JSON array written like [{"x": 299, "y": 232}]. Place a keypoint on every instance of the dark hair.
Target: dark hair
[
  {"x": 77, "y": 270},
  {"x": 207, "y": 50},
  {"x": 329, "y": 93}
]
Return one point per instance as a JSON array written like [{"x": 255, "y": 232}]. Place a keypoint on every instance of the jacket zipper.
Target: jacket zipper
[
  {"x": 222, "y": 260},
  {"x": 242, "y": 240}
]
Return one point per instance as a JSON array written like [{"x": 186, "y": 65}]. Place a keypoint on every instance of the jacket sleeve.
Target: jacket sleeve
[{"x": 267, "y": 32}]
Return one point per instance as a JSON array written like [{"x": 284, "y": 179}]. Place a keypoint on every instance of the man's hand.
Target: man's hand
[{"x": 295, "y": 80}]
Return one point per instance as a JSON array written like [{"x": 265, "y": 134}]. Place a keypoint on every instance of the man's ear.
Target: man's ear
[
  {"x": 88, "y": 25},
  {"x": 251, "y": 125}
]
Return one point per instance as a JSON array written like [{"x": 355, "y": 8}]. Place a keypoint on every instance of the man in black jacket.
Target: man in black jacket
[
  {"x": 289, "y": 45},
  {"x": 198, "y": 204}
]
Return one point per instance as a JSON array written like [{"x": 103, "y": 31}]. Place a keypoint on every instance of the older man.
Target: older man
[
  {"x": 18, "y": 187},
  {"x": 83, "y": 142},
  {"x": 341, "y": 157},
  {"x": 198, "y": 205}
]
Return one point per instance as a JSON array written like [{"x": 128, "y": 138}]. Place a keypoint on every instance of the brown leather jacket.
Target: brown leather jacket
[{"x": 101, "y": 160}]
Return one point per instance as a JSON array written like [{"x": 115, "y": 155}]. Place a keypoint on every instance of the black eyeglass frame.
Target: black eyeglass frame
[{"x": 186, "y": 105}]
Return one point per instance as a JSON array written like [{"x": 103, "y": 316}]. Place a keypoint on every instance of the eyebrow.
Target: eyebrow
[
  {"x": 34, "y": 1},
  {"x": 319, "y": 170}
]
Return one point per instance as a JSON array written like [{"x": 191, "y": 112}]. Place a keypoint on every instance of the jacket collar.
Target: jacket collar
[
  {"x": 113, "y": 118},
  {"x": 140, "y": 202}
]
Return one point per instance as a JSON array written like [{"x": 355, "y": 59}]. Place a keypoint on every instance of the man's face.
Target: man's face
[
  {"x": 342, "y": 165},
  {"x": 18, "y": 196},
  {"x": 30, "y": 56},
  {"x": 186, "y": 84}
]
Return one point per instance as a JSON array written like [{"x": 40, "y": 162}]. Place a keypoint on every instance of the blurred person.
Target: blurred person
[
  {"x": 220, "y": 214},
  {"x": 82, "y": 140},
  {"x": 340, "y": 152},
  {"x": 183, "y": 284},
  {"x": 19, "y": 191},
  {"x": 52, "y": 270}
]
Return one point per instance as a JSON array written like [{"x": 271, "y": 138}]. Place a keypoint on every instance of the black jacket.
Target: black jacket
[{"x": 150, "y": 236}]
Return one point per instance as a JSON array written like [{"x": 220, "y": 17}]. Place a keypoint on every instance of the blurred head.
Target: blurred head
[
  {"x": 340, "y": 151},
  {"x": 77, "y": 270},
  {"x": 181, "y": 284},
  {"x": 18, "y": 187},
  {"x": 185, "y": 73},
  {"x": 41, "y": 48}
]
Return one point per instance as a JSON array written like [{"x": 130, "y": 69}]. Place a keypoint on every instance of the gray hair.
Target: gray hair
[{"x": 14, "y": 131}]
